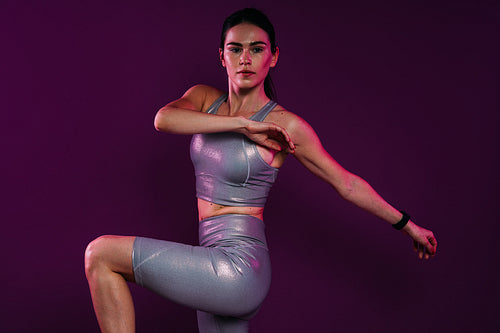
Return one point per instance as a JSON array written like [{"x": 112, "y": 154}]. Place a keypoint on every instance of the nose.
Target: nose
[{"x": 245, "y": 58}]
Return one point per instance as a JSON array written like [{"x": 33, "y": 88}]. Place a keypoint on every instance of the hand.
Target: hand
[
  {"x": 269, "y": 135},
  {"x": 424, "y": 242}
]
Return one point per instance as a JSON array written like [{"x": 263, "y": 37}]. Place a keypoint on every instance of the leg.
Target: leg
[
  {"x": 108, "y": 265},
  {"x": 228, "y": 281},
  {"x": 210, "y": 323}
]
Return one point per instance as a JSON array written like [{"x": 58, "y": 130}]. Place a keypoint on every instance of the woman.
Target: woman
[{"x": 240, "y": 139}]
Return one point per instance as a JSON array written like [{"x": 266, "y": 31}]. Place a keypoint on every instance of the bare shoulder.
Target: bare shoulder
[
  {"x": 211, "y": 95},
  {"x": 198, "y": 98},
  {"x": 294, "y": 124}
]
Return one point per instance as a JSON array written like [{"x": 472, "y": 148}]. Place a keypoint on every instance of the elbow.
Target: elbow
[
  {"x": 160, "y": 122},
  {"x": 157, "y": 122},
  {"x": 348, "y": 186},
  {"x": 346, "y": 193}
]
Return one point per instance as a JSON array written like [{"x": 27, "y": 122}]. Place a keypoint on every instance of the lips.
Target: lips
[{"x": 246, "y": 72}]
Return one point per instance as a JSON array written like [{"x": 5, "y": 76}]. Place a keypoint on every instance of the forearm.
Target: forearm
[
  {"x": 182, "y": 121},
  {"x": 360, "y": 193},
  {"x": 363, "y": 195}
]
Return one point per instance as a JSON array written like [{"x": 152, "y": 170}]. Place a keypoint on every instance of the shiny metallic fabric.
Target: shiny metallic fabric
[
  {"x": 228, "y": 167},
  {"x": 227, "y": 276}
]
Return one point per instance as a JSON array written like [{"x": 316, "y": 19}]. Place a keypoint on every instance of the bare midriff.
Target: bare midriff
[{"x": 208, "y": 209}]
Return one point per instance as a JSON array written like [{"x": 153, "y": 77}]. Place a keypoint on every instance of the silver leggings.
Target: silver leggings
[{"x": 226, "y": 278}]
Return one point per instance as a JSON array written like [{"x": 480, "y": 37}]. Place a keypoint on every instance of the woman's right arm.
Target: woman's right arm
[{"x": 186, "y": 116}]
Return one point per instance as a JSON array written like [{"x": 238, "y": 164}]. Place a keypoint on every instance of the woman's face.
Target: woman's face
[{"x": 247, "y": 55}]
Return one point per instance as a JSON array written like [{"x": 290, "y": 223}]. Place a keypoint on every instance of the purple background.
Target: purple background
[{"x": 404, "y": 94}]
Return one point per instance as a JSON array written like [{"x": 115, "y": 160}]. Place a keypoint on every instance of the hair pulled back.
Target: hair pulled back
[{"x": 259, "y": 19}]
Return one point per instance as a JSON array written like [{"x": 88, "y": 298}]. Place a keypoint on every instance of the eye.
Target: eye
[
  {"x": 234, "y": 49},
  {"x": 257, "y": 49}
]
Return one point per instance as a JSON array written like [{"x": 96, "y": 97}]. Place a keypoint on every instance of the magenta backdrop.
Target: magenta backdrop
[{"x": 403, "y": 94}]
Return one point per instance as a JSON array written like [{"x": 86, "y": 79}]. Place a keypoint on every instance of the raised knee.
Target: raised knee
[{"x": 94, "y": 254}]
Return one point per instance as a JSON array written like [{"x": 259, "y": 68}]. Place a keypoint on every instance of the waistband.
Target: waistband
[{"x": 232, "y": 230}]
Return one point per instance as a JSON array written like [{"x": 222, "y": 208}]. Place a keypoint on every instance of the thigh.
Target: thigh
[{"x": 204, "y": 278}]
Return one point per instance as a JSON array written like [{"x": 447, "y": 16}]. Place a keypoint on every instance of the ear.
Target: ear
[
  {"x": 221, "y": 57},
  {"x": 274, "y": 60}
]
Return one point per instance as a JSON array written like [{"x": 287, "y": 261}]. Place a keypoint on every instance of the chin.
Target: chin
[{"x": 248, "y": 84}]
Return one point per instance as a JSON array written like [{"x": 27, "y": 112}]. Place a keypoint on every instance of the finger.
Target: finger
[
  {"x": 433, "y": 243},
  {"x": 284, "y": 133},
  {"x": 426, "y": 251},
  {"x": 288, "y": 145},
  {"x": 287, "y": 138},
  {"x": 272, "y": 145},
  {"x": 421, "y": 250},
  {"x": 431, "y": 246},
  {"x": 277, "y": 144},
  {"x": 289, "y": 141},
  {"x": 431, "y": 253},
  {"x": 292, "y": 146}
]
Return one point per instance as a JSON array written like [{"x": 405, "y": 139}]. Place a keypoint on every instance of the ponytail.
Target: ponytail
[{"x": 269, "y": 88}]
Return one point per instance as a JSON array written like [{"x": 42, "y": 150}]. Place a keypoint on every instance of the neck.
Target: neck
[{"x": 246, "y": 100}]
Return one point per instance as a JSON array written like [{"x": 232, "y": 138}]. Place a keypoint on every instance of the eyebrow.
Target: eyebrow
[{"x": 241, "y": 45}]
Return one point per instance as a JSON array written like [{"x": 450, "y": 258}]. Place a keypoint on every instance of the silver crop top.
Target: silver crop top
[{"x": 228, "y": 167}]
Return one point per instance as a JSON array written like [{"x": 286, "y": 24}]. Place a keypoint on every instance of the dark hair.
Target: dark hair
[{"x": 259, "y": 19}]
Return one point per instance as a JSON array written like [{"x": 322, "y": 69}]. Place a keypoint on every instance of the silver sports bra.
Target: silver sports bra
[{"x": 228, "y": 167}]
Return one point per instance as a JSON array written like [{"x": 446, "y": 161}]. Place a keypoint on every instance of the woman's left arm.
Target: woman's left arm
[{"x": 310, "y": 152}]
